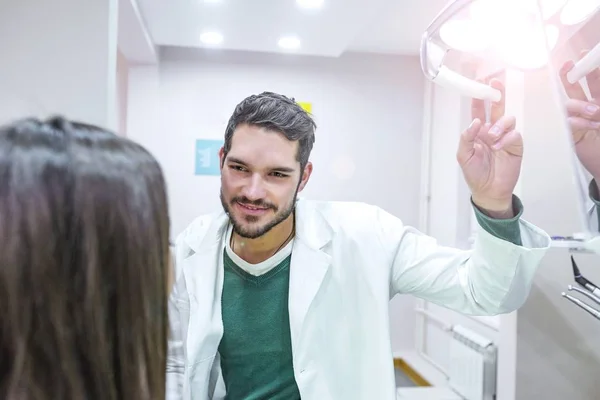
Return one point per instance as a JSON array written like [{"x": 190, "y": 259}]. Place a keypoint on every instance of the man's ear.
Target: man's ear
[
  {"x": 305, "y": 176},
  {"x": 222, "y": 156}
]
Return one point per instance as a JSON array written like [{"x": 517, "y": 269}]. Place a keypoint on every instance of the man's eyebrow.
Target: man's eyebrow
[
  {"x": 287, "y": 170},
  {"x": 235, "y": 160},
  {"x": 284, "y": 169}
]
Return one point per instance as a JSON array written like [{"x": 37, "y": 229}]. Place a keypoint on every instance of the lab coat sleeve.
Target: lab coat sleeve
[
  {"x": 179, "y": 308},
  {"x": 494, "y": 277}
]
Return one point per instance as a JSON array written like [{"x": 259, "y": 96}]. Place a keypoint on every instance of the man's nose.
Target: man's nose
[{"x": 254, "y": 190}]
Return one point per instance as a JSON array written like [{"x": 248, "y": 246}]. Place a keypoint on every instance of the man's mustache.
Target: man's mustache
[{"x": 253, "y": 203}]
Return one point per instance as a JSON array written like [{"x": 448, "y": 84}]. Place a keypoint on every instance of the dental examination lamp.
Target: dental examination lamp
[
  {"x": 517, "y": 34},
  {"x": 588, "y": 289},
  {"x": 497, "y": 35}
]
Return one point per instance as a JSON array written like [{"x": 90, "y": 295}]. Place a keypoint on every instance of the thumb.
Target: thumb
[{"x": 466, "y": 145}]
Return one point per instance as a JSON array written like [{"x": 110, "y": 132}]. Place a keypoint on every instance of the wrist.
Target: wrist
[{"x": 497, "y": 209}]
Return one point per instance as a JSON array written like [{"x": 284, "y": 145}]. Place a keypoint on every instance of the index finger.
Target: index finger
[
  {"x": 478, "y": 109},
  {"x": 574, "y": 90},
  {"x": 593, "y": 79},
  {"x": 498, "y": 107}
]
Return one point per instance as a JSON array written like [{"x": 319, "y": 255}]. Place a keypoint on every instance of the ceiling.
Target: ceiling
[{"x": 376, "y": 26}]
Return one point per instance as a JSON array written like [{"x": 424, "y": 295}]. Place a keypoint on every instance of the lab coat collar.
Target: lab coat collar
[
  {"x": 311, "y": 226},
  {"x": 309, "y": 266},
  {"x": 206, "y": 233},
  {"x": 312, "y": 229}
]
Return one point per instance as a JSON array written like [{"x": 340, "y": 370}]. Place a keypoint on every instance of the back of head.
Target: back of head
[{"x": 84, "y": 253}]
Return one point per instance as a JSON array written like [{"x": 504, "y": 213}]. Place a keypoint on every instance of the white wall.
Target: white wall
[
  {"x": 58, "y": 57},
  {"x": 122, "y": 89},
  {"x": 368, "y": 110}
]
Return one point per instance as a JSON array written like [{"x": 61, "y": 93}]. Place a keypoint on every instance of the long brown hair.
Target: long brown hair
[{"x": 84, "y": 250}]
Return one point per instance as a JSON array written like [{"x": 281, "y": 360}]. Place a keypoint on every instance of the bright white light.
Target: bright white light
[
  {"x": 552, "y": 33},
  {"x": 522, "y": 41},
  {"x": 551, "y": 7},
  {"x": 310, "y": 3},
  {"x": 577, "y": 11},
  {"x": 211, "y": 38},
  {"x": 525, "y": 47},
  {"x": 492, "y": 11},
  {"x": 496, "y": 13},
  {"x": 464, "y": 35},
  {"x": 212, "y": 1},
  {"x": 289, "y": 42}
]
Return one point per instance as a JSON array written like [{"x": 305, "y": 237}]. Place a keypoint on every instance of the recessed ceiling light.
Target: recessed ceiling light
[
  {"x": 310, "y": 3},
  {"x": 211, "y": 38},
  {"x": 289, "y": 42}
]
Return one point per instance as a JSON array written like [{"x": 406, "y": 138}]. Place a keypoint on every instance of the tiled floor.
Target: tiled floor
[{"x": 402, "y": 380}]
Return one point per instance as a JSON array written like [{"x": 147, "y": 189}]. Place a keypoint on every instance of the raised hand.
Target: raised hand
[
  {"x": 584, "y": 117},
  {"x": 490, "y": 155}
]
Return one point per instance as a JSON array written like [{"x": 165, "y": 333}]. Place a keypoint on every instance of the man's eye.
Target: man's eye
[
  {"x": 238, "y": 168},
  {"x": 279, "y": 175}
]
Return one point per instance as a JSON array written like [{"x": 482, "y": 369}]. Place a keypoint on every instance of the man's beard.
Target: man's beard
[{"x": 256, "y": 232}]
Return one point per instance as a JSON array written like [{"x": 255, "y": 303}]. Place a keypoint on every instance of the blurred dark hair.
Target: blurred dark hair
[
  {"x": 277, "y": 113},
  {"x": 84, "y": 247}
]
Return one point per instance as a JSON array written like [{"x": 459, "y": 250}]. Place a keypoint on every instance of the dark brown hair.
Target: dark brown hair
[
  {"x": 84, "y": 249},
  {"x": 277, "y": 113}
]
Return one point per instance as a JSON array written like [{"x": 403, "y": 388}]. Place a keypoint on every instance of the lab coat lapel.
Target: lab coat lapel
[
  {"x": 309, "y": 265},
  {"x": 205, "y": 243},
  {"x": 204, "y": 280}
]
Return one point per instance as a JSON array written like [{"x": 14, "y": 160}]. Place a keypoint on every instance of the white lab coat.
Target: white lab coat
[{"x": 348, "y": 261}]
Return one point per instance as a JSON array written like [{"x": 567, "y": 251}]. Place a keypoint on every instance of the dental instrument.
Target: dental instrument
[
  {"x": 582, "y": 305},
  {"x": 590, "y": 290},
  {"x": 582, "y": 281},
  {"x": 585, "y": 293}
]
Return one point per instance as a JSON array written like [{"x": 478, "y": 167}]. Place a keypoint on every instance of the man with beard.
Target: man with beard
[{"x": 281, "y": 298}]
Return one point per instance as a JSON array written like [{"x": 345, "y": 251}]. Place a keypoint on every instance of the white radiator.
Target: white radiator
[{"x": 472, "y": 369}]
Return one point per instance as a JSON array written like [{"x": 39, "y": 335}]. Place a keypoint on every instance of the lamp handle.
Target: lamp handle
[
  {"x": 469, "y": 87},
  {"x": 584, "y": 66}
]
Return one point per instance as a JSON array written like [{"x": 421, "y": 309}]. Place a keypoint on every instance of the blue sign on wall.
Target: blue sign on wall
[{"x": 207, "y": 157}]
